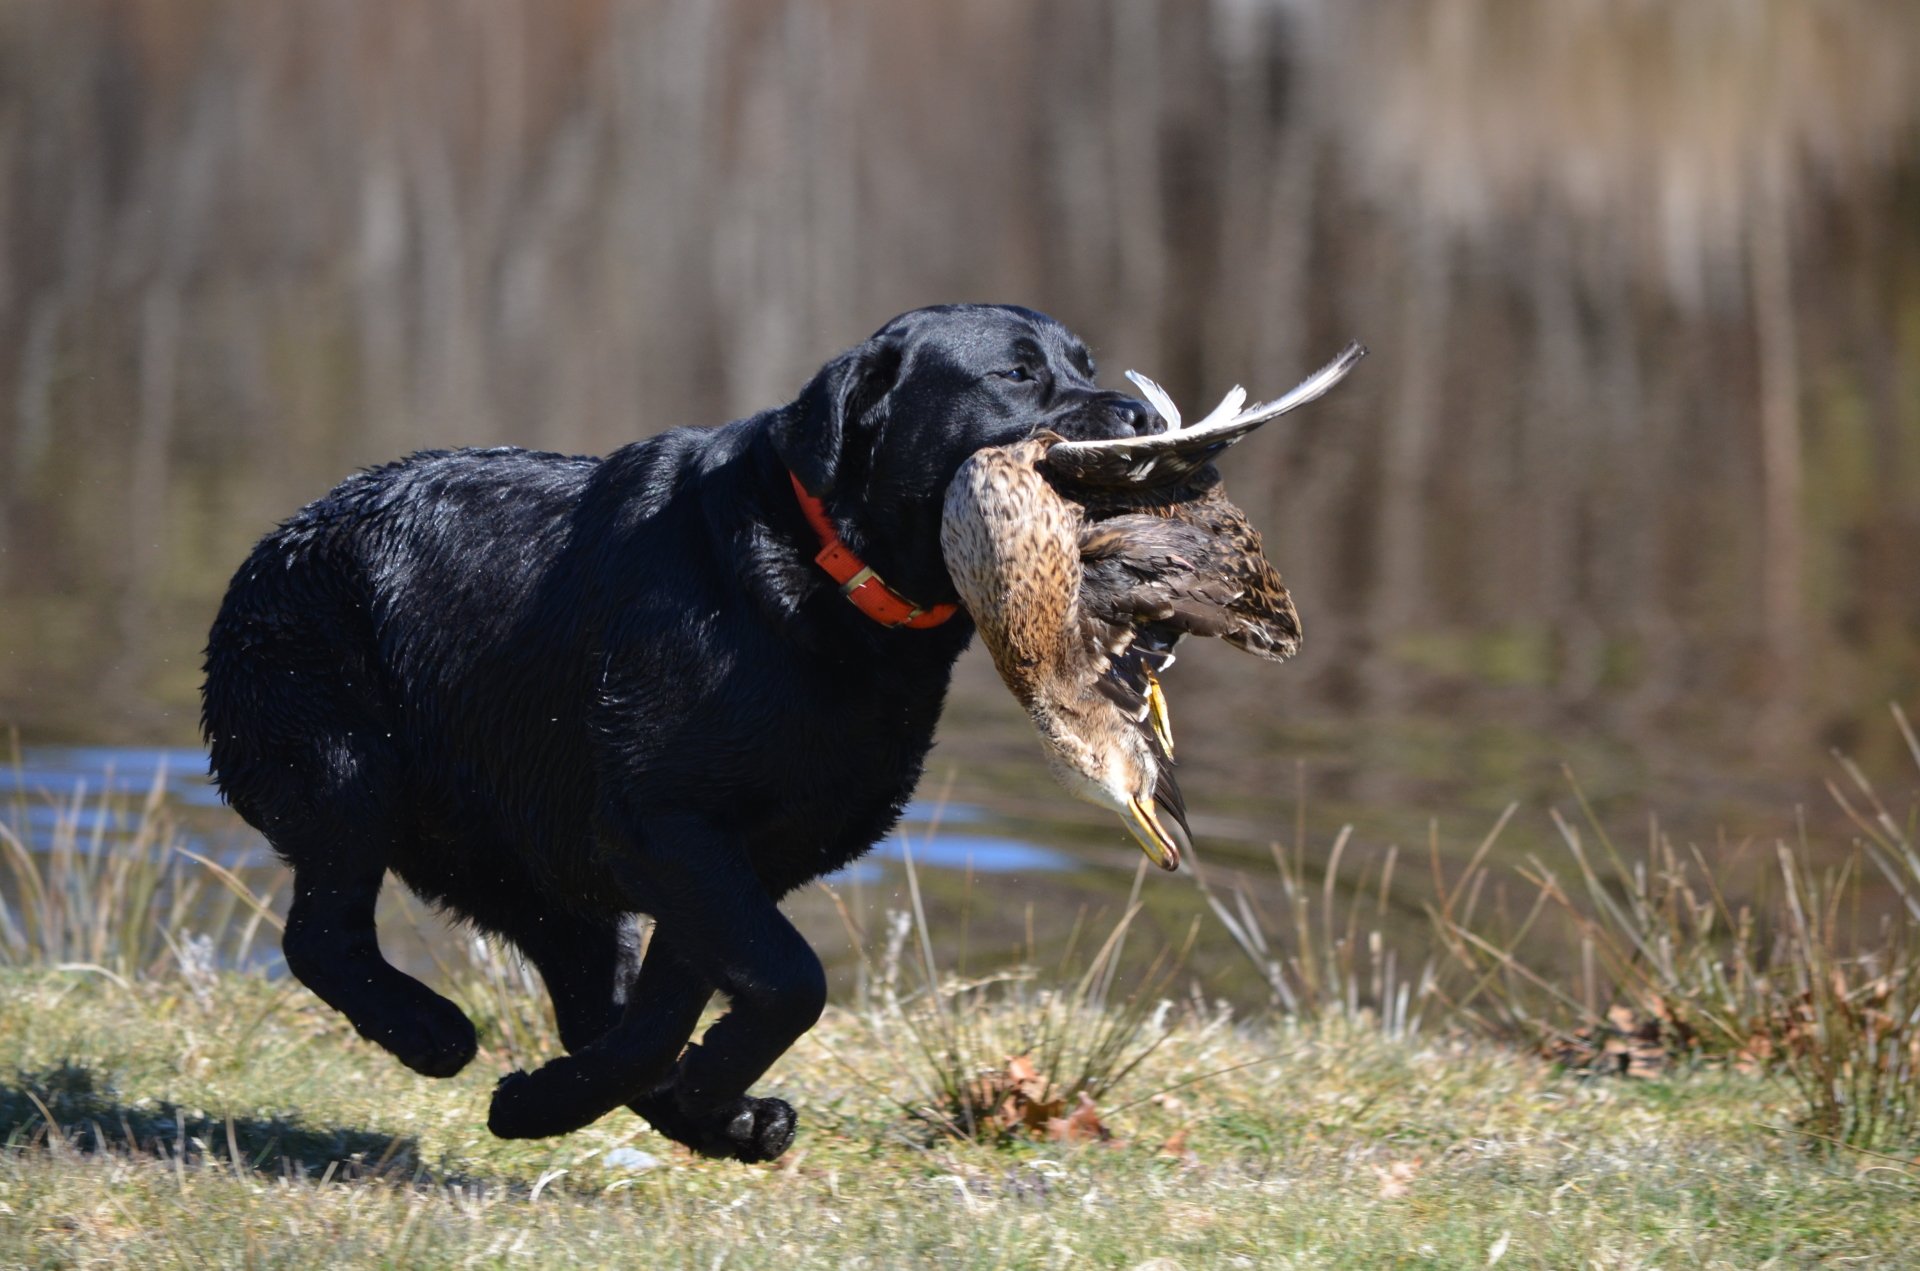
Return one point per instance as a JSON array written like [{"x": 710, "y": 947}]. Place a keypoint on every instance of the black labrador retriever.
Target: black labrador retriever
[{"x": 551, "y": 693}]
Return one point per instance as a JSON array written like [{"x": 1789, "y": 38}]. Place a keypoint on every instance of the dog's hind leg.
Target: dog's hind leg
[
  {"x": 331, "y": 947},
  {"x": 300, "y": 739}
]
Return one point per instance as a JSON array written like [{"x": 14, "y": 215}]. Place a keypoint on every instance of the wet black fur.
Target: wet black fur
[{"x": 553, "y": 692}]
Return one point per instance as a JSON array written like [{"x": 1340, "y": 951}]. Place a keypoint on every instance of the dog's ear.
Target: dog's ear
[{"x": 812, "y": 431}]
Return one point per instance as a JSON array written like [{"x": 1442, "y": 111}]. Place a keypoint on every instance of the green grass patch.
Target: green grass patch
[{"x": 245, "y": 1124}]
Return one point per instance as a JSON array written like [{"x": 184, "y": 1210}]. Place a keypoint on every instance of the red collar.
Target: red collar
[{"x": 859, "y": 583}]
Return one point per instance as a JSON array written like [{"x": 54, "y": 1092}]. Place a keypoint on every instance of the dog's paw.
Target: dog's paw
[
  {"x": 515, "y": 1112},
  {"x": 560, "y": 1096},
  {"x": 744, "y": 1129},
  {"x": 433, "y": 1037},
  {"x": 760, "y": 1130}
]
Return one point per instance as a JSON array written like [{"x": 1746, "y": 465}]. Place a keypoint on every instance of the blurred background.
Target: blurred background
[{"x": 1630, "y": 483}]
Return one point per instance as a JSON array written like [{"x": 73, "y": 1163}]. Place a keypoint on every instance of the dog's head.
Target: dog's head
[
  {"x": 881, "y": 430},
  {"x": 894, "y": 418}
]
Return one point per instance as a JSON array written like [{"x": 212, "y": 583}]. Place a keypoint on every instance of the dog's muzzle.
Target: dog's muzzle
[{"x": 1106, "y": 417}]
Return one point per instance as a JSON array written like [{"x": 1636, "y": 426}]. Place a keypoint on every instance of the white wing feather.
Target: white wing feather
[
  {"x": 1228, "y": 408},
  {"x": 1179, "y": 450},
  {"x": 1158, "y": 398},
  {"x": 1228, "y": 415},
  {"x": 1312, "y": 387}
]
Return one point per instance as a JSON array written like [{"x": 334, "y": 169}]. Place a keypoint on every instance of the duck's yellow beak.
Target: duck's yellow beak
[{"x": 1162, "y": 832}]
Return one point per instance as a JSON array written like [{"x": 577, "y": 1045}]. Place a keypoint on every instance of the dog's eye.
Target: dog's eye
[{"x": 1018, "y": 374}]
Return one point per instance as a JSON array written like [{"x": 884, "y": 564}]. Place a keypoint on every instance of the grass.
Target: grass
[
  {"x": 251, "y": 1127},
  {"x": 1714, "y": 1083}
]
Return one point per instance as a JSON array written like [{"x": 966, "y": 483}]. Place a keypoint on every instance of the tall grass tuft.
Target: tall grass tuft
[
  {"x": 106, "y": 885},
  {"x": 1852, "y": 1006},
  {"x": 1802, "y": 982},
  {"x": 1011, "y": 1054},
  {"x": 1325, "y": 954},
  {"x": 1662, "y": 959}
]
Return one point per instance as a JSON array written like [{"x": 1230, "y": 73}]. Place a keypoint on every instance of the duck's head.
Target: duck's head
[{"x": 1103, "y": 754}]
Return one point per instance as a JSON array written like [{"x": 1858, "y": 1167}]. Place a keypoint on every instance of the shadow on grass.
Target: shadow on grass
[{"x": 68, "y": 1108}]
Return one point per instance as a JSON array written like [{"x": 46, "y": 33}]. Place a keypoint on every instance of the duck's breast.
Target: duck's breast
[{"x": 1011, "y": 546}]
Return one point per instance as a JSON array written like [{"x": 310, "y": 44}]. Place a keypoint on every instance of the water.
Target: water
[
  {"x": 47, "y": 781},
  {"x": 1631, "y": 482}
]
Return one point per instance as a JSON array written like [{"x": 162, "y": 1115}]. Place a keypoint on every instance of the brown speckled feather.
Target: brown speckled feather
[
  {"x": 1193, "y": 563},
  {"x": 1012, "y": 547}
]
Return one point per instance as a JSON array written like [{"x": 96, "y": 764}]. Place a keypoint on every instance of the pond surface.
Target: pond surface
[
  {"x": 1630, "y": 483},
  {"x": 48, "y": 780}
]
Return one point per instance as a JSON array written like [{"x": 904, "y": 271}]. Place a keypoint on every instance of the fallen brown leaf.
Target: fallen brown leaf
[
  {"x": 1083, "y": 1126},
  {"x": 1176, "y": 1148},
  {"x": 1395, "y": 1177}
]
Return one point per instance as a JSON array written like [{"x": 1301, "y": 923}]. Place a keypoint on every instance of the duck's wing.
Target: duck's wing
[
  {"x": 1190, "y": 568},
  {"x": 1171, "y": 456}
]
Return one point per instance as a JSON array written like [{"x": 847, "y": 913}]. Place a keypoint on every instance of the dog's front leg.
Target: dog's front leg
[
  {"x": 725, "y": 932},
  {"x": 625, "y": 1063}
]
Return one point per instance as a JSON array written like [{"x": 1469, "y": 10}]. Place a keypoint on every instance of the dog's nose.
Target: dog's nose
[{"x": 1134, "y": 418}]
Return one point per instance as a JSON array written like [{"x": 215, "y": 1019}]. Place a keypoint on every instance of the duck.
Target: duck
[{"x": 1084, "y": 564}]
